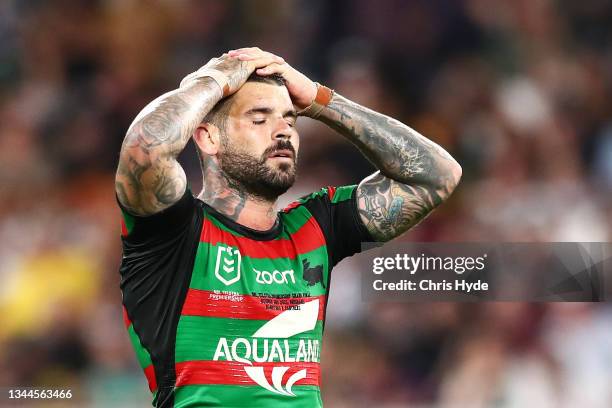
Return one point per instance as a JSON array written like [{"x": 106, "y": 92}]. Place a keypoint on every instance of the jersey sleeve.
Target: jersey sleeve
[
  {"x": 335, "y": 210},
  {"x": 161, "y": 225},
  {"x": 156, "y": 267}
]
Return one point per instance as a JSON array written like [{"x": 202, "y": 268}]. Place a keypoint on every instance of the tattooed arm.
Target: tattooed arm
[
  {"x": 149, "y": 178},
  {"x": 415, "y": 175}
]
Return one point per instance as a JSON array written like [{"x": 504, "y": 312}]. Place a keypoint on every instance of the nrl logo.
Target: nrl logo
[{"x": 227, "y": 269}]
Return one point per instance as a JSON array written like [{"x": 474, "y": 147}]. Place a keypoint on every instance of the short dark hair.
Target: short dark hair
[{"x": 219, "y": 113}]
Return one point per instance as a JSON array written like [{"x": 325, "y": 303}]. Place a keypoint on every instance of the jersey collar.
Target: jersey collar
[{"x": 251, "y": 233}]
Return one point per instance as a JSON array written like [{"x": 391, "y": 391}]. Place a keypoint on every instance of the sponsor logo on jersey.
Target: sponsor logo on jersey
[
  {"x": 269, "y": 344},
  {"x": 227, "y": 268},
  {"x": 267, "y": 277}
]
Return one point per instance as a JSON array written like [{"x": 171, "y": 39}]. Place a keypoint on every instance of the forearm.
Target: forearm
[
  {"x": 149, "y": 178},
  {"x": 398, "y": 151},
  {"x": 166, "y": 124}
]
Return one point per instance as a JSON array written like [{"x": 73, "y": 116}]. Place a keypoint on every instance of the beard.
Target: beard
[{"x": 256, "y": 176}]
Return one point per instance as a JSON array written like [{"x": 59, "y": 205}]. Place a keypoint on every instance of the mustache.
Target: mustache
[{"x": 280, "y": 145}]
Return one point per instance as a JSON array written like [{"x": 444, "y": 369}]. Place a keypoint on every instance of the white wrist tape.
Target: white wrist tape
[{"x": 219, "y": 77}]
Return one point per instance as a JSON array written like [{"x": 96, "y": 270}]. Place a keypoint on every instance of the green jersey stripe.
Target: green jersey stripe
[
  {"x": 244, "y": 396},
  {"x": 143, "y": 357},
  {"x": 257, "y": 274},
  {"x": 342, "y": 193}
]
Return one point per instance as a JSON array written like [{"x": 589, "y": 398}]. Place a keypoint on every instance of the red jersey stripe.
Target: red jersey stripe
[
  {"x": 233, "y": 373},
  {"x": 330, "y": 192},
  {"x": 126, "y": 319},
  {"x": 124, "y": 231},
  {"x": 210, "y": 304},
  {"x": 150, "y": 374},
  {"x": 291, "y": 206},
  {"x": 306, "y": 239}
]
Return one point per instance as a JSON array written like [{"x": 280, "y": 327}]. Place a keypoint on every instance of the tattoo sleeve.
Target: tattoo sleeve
[
  {"x": 415, "y": 174},
  {"x": 149, "y": 179}
]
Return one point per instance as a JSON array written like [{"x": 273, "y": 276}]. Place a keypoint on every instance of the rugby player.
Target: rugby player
[{"x": 224, "y": 296}]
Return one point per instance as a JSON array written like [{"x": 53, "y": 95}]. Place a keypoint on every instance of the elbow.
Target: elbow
[
  {"x": 449, "y": 181},
  {"x": 455, "y": 174}
]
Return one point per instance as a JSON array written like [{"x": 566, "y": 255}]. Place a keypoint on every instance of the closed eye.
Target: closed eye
[{"x": 259, "y": 122}]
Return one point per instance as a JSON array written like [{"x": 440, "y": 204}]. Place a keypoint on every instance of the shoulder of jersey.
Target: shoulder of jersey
[{"x": 329, "y": 191}]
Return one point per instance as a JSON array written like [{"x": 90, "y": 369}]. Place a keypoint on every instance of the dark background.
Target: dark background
[{"x": 519, "y": 91}]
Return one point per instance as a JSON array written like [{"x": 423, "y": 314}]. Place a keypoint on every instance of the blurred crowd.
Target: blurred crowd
[{"x": 519, "y": 91}]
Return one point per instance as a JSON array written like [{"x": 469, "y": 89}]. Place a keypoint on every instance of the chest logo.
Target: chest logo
[
  {"x": 280, "y": 277},
  {"x": 227, "y": 269},
  {"x": 312, "y": 274},
  {"x": 270, "y": 344}
]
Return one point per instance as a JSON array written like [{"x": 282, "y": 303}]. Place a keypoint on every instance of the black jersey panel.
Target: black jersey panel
[
  {"x": 156, "y": 267},
  {"x": 341, "y": 224}
]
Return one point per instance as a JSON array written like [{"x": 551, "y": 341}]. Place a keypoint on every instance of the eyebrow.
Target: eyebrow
[{"x": 266, "y": 111}]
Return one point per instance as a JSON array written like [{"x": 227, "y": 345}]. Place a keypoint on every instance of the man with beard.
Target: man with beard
[{"x": 224, "y": 297}]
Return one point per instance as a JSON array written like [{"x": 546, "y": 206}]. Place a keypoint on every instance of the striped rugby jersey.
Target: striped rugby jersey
[{"x": 221, "y": 315}]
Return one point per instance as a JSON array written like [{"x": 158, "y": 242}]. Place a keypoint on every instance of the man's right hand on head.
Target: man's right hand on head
[{"x": 230, "y": 71}]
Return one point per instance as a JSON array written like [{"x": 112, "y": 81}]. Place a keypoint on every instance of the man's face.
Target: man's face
[{"x": 259, "y": 151}]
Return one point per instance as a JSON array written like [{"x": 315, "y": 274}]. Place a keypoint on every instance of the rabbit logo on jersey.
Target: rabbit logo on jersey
[{"x": 265, "y": 346}]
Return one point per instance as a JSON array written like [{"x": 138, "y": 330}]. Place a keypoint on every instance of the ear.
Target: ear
[{"x": 208, "y": 138}]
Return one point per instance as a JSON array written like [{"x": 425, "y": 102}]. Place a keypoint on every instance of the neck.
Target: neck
[{"x": 240, "y": 206}]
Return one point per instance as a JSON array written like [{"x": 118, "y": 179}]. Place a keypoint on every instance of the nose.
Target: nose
[{"x": 282, "y": 130}]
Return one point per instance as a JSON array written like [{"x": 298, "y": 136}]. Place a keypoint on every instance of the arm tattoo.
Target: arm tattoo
[
  {"x": 389, "y": 208},
  {"x": 149, "y": 178},
  {"x": 415, "y": 174}
]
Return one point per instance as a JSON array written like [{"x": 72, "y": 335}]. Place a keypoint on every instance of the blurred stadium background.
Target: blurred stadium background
[{"x": 519, "y": 91}]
